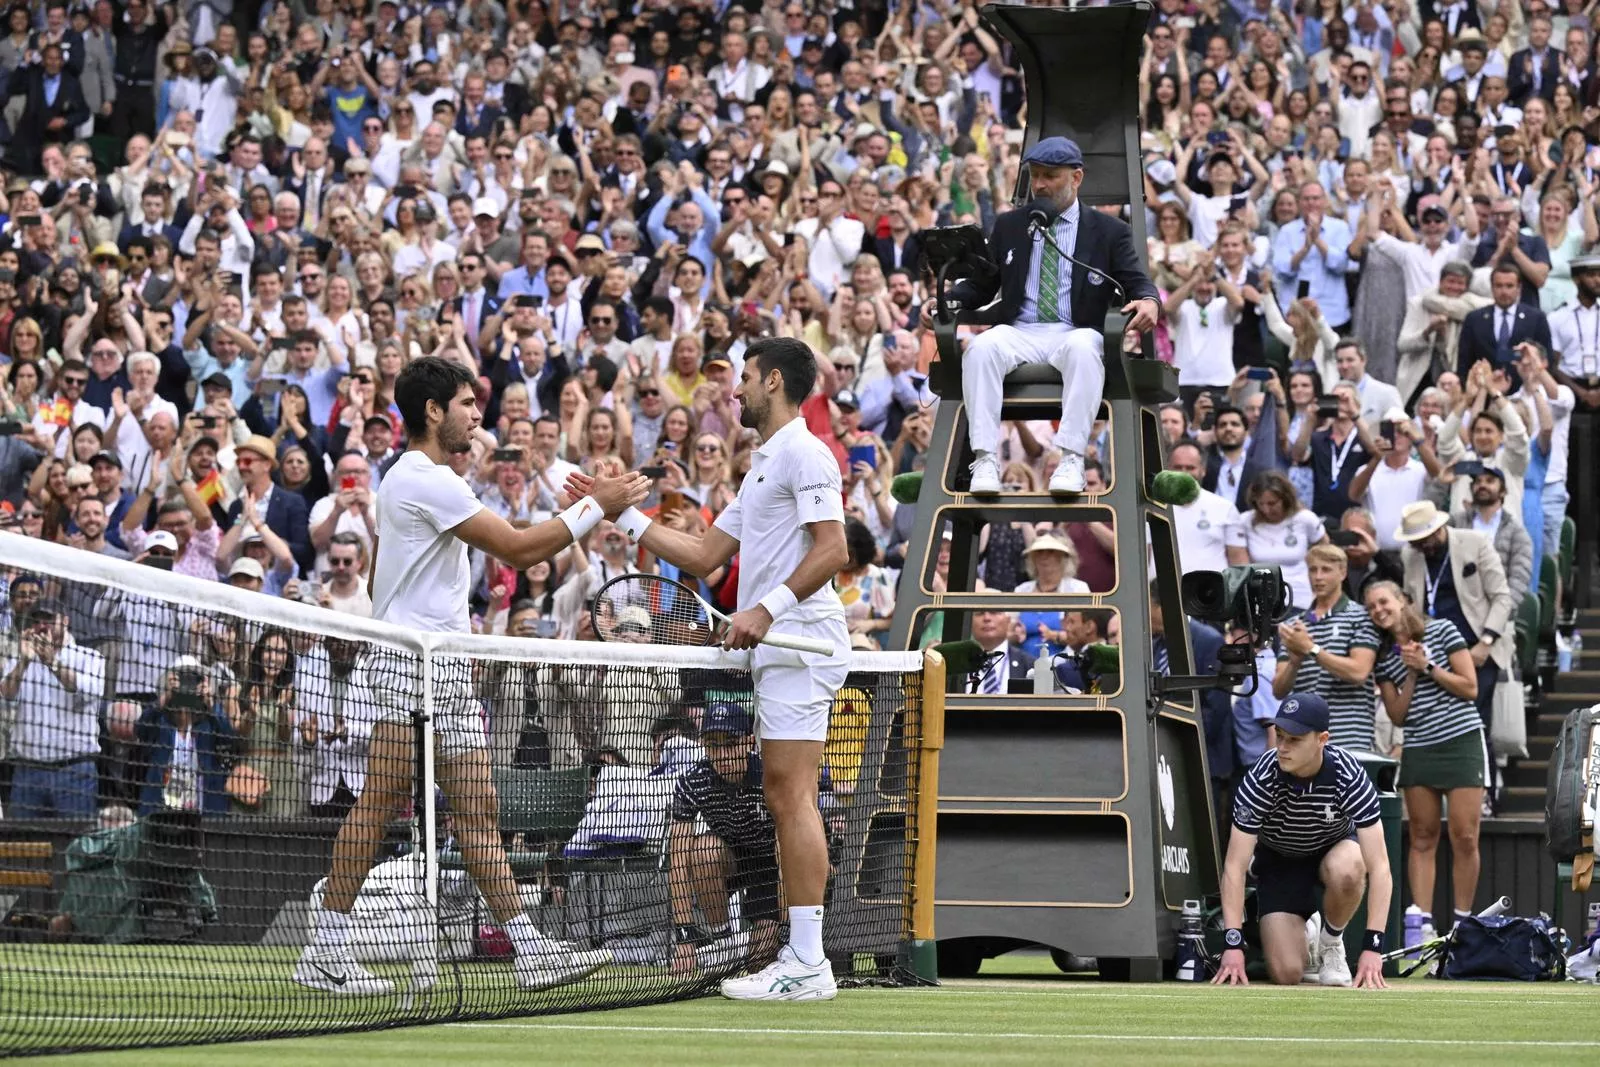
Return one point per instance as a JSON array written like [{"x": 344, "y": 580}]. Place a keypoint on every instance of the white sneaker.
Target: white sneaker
[
  {"x": 985, "y": 475},
  {"x": 786, "y": 978},
  {"x": 334, "y": 969},
  {"x": 1335, "y": 970},
  {"x": 557, "y": 963},
  {"x": 1313, "y": 971},
  {"x": 724, "y": 952},
  {"x": 1068, "y": 477}
]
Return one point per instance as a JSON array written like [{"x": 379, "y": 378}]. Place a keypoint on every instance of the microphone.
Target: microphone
[{"x": 1039, "y": 223}]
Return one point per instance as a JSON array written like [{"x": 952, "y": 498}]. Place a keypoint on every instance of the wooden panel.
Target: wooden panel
[
  {"x": 26, "y": 879},
  {"x": 25, "y": 850}
]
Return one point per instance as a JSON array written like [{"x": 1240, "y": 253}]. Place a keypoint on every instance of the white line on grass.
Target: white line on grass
[
  {"x": 1262, "y": 992},
  {"x": 976, "y": 1035}
]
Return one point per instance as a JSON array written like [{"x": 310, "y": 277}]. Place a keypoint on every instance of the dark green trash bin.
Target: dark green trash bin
[{"x": 1384, "y": 773}]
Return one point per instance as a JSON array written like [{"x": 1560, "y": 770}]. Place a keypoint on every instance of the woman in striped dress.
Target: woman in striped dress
[{"x": 1429, "y": 686}]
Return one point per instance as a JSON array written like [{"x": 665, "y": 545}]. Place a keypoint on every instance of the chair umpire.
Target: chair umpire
[
  {"x": 1307, "y": 814},
  {"x": 1050, "y": 310}
]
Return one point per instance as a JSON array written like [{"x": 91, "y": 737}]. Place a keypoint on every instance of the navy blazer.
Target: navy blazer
[
  {"x": 910, "y": 253},
  {"x": 289, "y": 518},
  {"x": 488, "y": 115},
  {"x": 1216, "y": 705},
  {"x": 491, "y": 307},
  {"x": 1519, "y": 75},
  {"x": 1104, "y": 243},
  {"x": 213, "y": 736},
  {"x": 134, "y": 229},
  {"x": 1478, "y": 335}
]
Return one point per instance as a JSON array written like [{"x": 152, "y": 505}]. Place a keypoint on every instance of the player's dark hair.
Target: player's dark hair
[
  {"x": 428, "y": 378},
  {"x": 792, "y": 359}
]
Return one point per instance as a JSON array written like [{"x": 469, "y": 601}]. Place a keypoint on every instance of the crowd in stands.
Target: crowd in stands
[{"x": 228, "y": 226}]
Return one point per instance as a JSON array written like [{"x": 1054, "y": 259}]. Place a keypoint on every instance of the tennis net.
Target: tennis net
[{"x": 180, "y": 756}]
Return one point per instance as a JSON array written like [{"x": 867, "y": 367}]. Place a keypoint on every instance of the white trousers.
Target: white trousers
[{"x": 1079, "y": 354}]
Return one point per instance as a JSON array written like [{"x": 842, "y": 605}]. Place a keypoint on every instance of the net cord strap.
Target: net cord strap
[{"x": 426, "y": 968}]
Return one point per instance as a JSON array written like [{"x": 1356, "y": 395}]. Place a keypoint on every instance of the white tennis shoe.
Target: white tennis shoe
[
  {"x": 1335, "y": 970},
  {"x": 334, "y": 969},
  {"x": 557, "y": 963},
  {"x": 985, "y": 475},
  {"x": 785, "y": 978},
  {"x": 1068, "y": 477}
]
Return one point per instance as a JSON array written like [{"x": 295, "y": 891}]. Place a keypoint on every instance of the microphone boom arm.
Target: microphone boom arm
[{"x": 1036, "y": 225}]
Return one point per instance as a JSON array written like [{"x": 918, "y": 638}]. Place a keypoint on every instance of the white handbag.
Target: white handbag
[{"x": 1508, "y": 721}]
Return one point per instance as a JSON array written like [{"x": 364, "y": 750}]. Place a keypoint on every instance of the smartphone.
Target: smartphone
[
  {"x": 671, "y": 500},
  {"x": 273, "y": 383},
  {"x": 888, "y": 341},
  {"x": 669, "y": 446},
  {"x": 160, "y": 563},
  {"x": 1259, "y": 374},
  {"x": 311, "y": 592},
  {"x": 26, "y": 221},
  {"x": 867, "y": 454},
  {"x": 347, "y": 482},
  {"x": 535, "y": 301},
  {"x": 1468, "y": 468},
  {"x": 788, "y": 240},
  {"x": 1386, "y": 431},
  {"x": 1345, "y": 538},
  {"x": 1302, "y": 290},
  {"x": 507, "y": 455},
  {"x": 10, "y": 428},
  {"x": 1328, "y": 407},
  {"x": 1218, "y": 137},
  {"x": 209, "y": 422},
  {"x": 653, "y": 472},
  {"x": 85, "y": 194}
]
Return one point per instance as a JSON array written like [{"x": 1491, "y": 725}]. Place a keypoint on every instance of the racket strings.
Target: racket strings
[{"x": 650, "y": 610}]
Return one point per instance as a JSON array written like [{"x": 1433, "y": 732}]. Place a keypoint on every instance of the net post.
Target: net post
[
  {"x": 921, "y": 955},
  {"x": 425, "y": 966}
]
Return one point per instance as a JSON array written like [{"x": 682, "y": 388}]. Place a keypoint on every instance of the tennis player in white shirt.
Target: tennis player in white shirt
[
  {"x": 787, "y": 524},
  {"x": 426, "y": 520}
]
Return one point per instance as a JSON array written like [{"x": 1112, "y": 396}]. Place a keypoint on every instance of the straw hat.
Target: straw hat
[
  {"x": 1419, "y": 520},
  {"x": 1050, "y": 543}
]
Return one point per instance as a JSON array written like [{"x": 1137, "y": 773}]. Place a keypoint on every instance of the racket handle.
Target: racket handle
[{"x": 796, "y": 643}]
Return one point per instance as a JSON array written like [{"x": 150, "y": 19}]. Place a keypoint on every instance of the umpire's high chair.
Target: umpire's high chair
[{"x": 1081, "y": 822}]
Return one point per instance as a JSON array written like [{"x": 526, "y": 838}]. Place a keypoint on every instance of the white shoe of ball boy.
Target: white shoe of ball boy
[
  {"x": 334, "y": 969},
  {"x": 1335, "y": 969},
  {"x": 785, "y": 978},
  {"x": 558, "y": 964}
]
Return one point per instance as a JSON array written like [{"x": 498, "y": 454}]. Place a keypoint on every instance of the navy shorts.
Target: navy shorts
[
  {"x": 1287, "y": 883},
  {"x": 757, "y": 874}
]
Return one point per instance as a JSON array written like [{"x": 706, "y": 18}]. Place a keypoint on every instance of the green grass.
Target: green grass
[{"x": 1019, "y": 1012}]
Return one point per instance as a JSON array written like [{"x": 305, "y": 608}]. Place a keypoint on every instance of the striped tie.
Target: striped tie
[
  {"x": 1162, "y": 666},
  {"x": 991, "y": 676},
  {"x": 1049, "y": 285}
]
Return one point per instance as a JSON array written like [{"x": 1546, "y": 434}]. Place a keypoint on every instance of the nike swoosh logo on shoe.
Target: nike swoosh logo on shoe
[{"x": 336, "y": 979}]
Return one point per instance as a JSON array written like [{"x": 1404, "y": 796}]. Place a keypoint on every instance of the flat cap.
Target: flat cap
[{"x": 1055, "y": 152}]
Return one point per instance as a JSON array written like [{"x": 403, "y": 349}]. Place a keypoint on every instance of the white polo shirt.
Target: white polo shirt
[
  {"x": 794, "y": 480},
  {"x": 1206, "y": 529},
  {"x": 421, "y": 577},
  {"x": 1575, "y": 336},
  {"x": 1388, "y": 493},
  {"x": 51, "y": 723},
  {"x": 1203, "y": 343}
]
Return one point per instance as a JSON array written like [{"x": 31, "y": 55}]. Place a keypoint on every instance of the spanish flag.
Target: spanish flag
[{"x": 210, "y": 488}]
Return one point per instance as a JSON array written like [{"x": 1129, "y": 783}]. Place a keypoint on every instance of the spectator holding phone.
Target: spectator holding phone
[
  {"x": 1202, "y": 313},
  {"x": 1393, "y": 475}
]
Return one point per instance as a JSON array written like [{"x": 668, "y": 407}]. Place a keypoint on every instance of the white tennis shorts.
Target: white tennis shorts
[
  {"x": 795, "y": 690},
  {"x": 395, "y": 680}
]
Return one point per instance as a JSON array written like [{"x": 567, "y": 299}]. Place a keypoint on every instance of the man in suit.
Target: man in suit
[
  {"x": 1226, "y": 474},
  {"x": 1050, "y": 310},
  {"x": 900, "y": 250},
  {"x": 98, "y": 87},
  {"x": 1377, "y": 398},
  {"x": 499, "y": 91},
  {"x": 476, "y": 305},
  {"x": 1503, "y": 242},
  {"x": 153, "y": 223},
  {"x": 55, "y": 107},
  {"x": 58, "y": 31},
  {"x": 1493, "y": 333},
  {"x": 311, "y": 174},
  {"x": 1004, "y": 666},
  {"x": 477, "y": 117},
  {"x": 1457, "y": 575},
  {"x": 1534, "y": 70},
  {"x": 284, "y": 512}
]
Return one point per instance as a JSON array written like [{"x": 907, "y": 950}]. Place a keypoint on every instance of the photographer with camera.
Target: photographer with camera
[{"x": 181, "y": 747}]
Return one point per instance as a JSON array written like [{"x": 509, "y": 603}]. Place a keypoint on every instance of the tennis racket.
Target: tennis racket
[{"x": 647, "y": 609}]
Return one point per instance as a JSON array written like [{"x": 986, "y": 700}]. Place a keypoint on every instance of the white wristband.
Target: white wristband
[
  {"x": 779, "y": 601},
  {"x": 634, "y": 523},
  {"x": 582, "y": 517}
]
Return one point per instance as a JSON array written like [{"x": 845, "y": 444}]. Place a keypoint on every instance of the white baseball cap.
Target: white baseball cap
[
  {"x": 247, "y": 567},
  {"x": 486, "y": 205}
]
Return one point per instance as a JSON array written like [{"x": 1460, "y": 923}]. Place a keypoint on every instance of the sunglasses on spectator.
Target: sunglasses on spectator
[
  {"x": 80, "y": 382},
  {"x": 627, "y": 152},
  {"x": 649, "y": 392},
  {"x": 468, "y": 266},
  {"x": 599, "y": 320},
  {"x": 808, "y": 200},
  {"x": 506, "y": 155},
  {"x": 708, "y": 447},
  {"x": 340, "y": 563}
]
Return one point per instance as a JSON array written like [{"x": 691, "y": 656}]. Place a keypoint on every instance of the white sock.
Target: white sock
[
  {"x": 333, "y": 929},
  {"x": 805, "y": 933},
  {"x": 525, "y": 937}
]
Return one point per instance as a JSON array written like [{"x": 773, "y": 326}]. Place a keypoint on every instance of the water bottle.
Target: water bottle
[
  {"x": 1192, "y": 944},
  {"x": 1577, "y": 649},
  {"x": 1563, "y": 653},
  {"x": 1413, "y": 927}
]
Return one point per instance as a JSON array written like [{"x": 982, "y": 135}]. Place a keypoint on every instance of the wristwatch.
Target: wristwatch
[{"x": 1316, "y": 650}]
